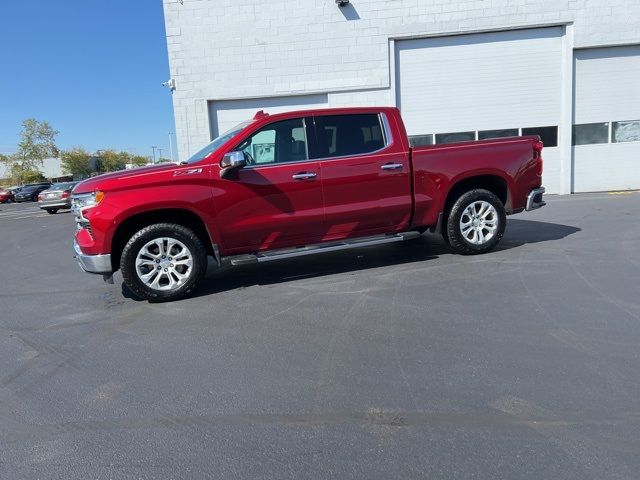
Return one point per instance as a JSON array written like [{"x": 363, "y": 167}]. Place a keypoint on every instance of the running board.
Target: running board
[{"x": 320, "y": 248}]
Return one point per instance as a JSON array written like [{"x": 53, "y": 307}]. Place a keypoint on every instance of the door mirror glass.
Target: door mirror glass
[{"x": 233, "y": 160}]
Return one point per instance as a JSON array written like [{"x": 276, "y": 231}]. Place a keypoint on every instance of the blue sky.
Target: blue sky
[{"x": 92, "y": 68}]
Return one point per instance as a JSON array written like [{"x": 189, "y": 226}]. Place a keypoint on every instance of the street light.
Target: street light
[{"x": 153, "y": 148}]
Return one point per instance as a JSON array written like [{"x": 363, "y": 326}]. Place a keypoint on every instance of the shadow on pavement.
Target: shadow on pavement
[
  {"x": 427, "y": 247},
  {"x": 521, "y": 232}
]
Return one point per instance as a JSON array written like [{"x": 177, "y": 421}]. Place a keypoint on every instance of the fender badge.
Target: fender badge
[{"x": 190, "y": 171}]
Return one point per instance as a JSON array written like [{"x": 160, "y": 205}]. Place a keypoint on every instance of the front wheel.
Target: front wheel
[
  {"x": 51, "y": 211},
  {"x": 476, "y": 222},
  {"x": 163, "y": 262}
]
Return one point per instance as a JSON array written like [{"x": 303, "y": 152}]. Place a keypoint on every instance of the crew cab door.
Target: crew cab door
[
  {"x": 276, "y": 200},
  {"x": 366, "y": 180}
]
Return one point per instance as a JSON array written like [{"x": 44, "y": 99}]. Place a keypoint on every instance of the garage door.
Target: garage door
[
  {"x": 606, "y": 131},
  {"x": 481, "y": 86},
  {"x": 225, "y": 114}
]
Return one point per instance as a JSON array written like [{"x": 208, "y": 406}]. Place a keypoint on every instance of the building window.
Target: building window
[
  {"x": 626, "y": 131},
  {"x": 507, "y": 132},
  {"x": 420, "y": 140},
  {"x": 454, "y": 137},
  {"x": 347, "y": 135},
  {"x": 548, "y": 135},
  {"x": 590, "y": 133}
]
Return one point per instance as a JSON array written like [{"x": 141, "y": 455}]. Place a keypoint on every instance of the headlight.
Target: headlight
[{"x": 84, "y": 200}]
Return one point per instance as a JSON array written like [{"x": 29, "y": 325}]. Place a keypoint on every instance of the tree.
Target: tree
[
  {"x": 32, "y": 176},
  {"x": 37, "y": 142},
  {"x": 112, "y": 160},
  {"x": 138, "y": 160},
  {"x": 77, "y": 162}
]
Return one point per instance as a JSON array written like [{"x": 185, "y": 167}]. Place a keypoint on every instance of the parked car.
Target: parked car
[
  {"x": 292, "y": 184},
  {"x": 29, "y": 193},
  {"x": 56, "y": 197},
  {"x": 6, "y": 196}
]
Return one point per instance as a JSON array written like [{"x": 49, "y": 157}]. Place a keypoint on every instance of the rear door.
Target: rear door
[
  {"x": 365, "y": 181},
  {"x": 276, "y": 200}
]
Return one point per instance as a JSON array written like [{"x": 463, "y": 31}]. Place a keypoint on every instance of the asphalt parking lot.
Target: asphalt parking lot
[{"x": 396, "y": 361}]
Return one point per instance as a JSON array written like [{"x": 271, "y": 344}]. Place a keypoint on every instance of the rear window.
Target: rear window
[
  {"x": 63, "y": 186},
  {"x": 348, "y": 135}
]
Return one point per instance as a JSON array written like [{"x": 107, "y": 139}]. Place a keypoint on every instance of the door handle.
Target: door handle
[
  {"x": 391, "y": 166},
  {"x": 304, "y": 176}
]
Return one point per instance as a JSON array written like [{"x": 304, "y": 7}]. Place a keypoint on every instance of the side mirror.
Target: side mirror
[{"x": 233, "y": 160}]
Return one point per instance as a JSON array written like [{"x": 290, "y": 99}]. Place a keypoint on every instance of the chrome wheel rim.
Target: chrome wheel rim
[
  {"x": 479, "y": 222},
  {"x": 164, "y": 264}
]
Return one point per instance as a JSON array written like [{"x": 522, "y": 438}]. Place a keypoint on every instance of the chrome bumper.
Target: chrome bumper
[
  {"x": 534, "y": 199},
  {"x": 54, "y": 204},
  {"x": 92, "y": 263}
]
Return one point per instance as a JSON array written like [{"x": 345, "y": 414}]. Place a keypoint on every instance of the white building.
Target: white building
[
  {"x": 51, "y": 168},
  {"x": 566, "y": 69}
]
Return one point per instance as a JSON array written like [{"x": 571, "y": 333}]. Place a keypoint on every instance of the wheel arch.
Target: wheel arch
[
  {"x": 492, "y": 182},
  {"x": 128, "y": 227}
]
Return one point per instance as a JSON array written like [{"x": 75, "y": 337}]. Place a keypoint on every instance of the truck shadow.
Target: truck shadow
[{"x": 427, "y": 247}]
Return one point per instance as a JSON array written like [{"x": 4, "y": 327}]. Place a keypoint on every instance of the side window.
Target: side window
[
  {"x": 345, "y": 135},
  {"x": 278, "y": 142}
]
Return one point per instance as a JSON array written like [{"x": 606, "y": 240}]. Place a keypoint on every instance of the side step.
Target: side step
[{"x": 320, "y": 248}]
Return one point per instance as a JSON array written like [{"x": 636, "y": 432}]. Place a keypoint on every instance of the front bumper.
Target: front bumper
[
  {"x": 534, "y": 199},
  {"x": 92, "y": 263}
]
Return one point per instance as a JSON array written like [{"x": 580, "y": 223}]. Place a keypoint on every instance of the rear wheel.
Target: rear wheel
[
  {"x": 475, "y": 223},
  {"x": 163, "y": 262},
  {"x": 51, "y": 211}
]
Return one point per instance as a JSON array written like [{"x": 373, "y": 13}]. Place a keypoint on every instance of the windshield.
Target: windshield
[{"x": 218, "y": 142}]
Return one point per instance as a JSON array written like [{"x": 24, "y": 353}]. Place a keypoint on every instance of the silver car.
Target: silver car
[{"x": 57, "y": 197}]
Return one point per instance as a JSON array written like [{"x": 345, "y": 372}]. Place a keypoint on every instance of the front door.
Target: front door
[{"x": 276, "y": 200}]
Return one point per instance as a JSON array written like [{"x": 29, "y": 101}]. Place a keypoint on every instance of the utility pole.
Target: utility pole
[
  {"x": 171, "y": 146},
  {"x": 153, "y": 148},
  {"x": 159, "y": 154}
]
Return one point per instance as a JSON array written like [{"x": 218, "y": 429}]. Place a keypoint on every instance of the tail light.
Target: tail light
[
  {"x": 40, "y": 197},
  {"x": 537, "y": 155},
  {"x": 66, "y": 194}
]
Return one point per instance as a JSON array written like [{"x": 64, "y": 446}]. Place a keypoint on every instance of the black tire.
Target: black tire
[
  {"x": 452, "y": 231},
  {"x": 52, "y": 211},
  {"x": 147, "y": 234}
]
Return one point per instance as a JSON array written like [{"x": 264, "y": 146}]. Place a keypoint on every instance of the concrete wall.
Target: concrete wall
[{"x": 230, "y": 49}]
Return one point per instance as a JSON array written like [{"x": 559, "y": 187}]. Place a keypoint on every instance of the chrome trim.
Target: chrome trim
[
  {"x": 319, "y": 248},
  {"x": 304, "y": 176},
  {"x": 531, "y": 204},
  {"x": 388, "y": 138},
  {"x": 92, "y": 263},
  {"x": 62, "y": 205},
  {"x": 391, "y": 166}
]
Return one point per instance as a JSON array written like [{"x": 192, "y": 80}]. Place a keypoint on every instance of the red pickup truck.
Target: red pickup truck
[{"x": 292, "y": 184}]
